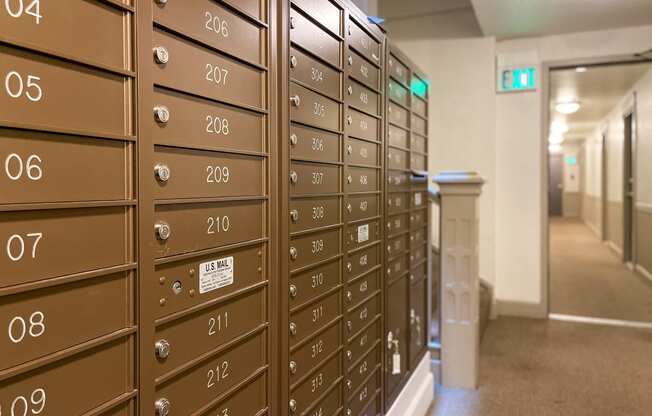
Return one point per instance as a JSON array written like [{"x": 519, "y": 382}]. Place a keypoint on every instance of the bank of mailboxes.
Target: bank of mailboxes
[{"x": 204, "y": 215}]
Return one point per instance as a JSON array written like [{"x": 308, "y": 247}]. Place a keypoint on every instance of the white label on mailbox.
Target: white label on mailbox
[
  {"x": 215, "y": 274},
  {"x": 363, "y": 233},
  {"x": 396, "y": 364},
  {"x": 417, "y": 198}
]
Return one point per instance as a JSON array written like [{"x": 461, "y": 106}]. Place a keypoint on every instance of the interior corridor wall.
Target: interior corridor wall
[{"x": 592, "y": 183}]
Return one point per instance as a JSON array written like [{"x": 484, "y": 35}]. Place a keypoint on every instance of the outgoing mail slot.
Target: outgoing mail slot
[
  {"x": 314, "y": 109},
  {"x": 48, "y": 93},
  {"x": 398, "y": 115},
  {"x": 313, "y": 248},
  {"x": 361, "y": 343},
  {"x": 202, "y": 226},
  {"x": 419, "y": 144},
  {"x": 102, "y": 28},
  {"x": 363, "y": 43},
  {"x": 314, "y": 352},
  {"x": 51, "y": 243},
  {"x": 317, "y": 384},
  {"x": 420, "y": 106},
  {"x": 187, "y": 283},
  {"x": 208, "y": 329},
  {"x": 398, "y": 180},
  {"x": 398, "y": 266},
  {"x": 418, "y": 320},
  {"x": 64, "y": 386},
  {"x": 215, "y": 26},
  {"x": 50, "y": 320},
  {"x": 54, "y": 168},
  {"x": 362, "y": 152},
  {"x": 359, "y": 207},
  {"x": 198, "y": 70},
  {"x": 364, "y": 395},
  {"x": 254, "y": 8},
  {"x": 198, "y": 123},
  {"x": 325, "y": 12},
  {"x": 313, "y": 318},
  {"x": 397, "y": 136},
  {"x": 398, "y": 93},
  {"x": 396, "y": 314},
  {"x": 418, "y": 218},
  {"x": 357, "y": 318},
  {"x": 362, "y": 98},
  {"x": 418, "y": 199},
  {"x": 312, "y": 283},
  {"x": 362, "y": 261},
  {"x": 360, "y": 288},
  {"x": 398, "y": 70},
  {"x": 357, "y": 375},
  {"x": 419, "y": 125},
  {"x": 311, "y": 37},
  {"x": 314, "y": 144},
  {"x": 204, "y": 174},
  {"x": 419, "y": 272},
  {"x": 361, "y": 234},
  {"x": 312, "y": 213},
  {"x": 362, "y": 126},
  {"x": 314, "y": 178},
  {"x": 200, "y": 385},
  {"x": 315, "y": 74},
  {"x": 397, "y": 245},
  {"x": 362, "y": 179},
  {"x": 397, "y": 158},
  {"x": 397, "y": 224},
  {"x": 418, "y": 161},
  {"x": 362, "y": 70},
  {"x": 248, "y": 400},
  {"x": 398, "y": 202}
]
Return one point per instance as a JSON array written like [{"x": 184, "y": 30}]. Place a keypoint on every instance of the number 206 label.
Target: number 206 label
[{"x": 215, "y": 274}]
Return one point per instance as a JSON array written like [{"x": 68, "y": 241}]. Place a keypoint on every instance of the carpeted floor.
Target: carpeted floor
[{"x": 588, "y": 279}]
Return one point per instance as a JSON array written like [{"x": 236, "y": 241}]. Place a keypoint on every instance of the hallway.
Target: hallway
[{"x": 588, "y": 279}]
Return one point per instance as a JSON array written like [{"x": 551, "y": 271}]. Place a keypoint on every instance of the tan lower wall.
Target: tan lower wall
[
  {"x": 571, "y": 204},
  {"x": 644, "y": 238},
  {"x": 591, "y": 207},
  {"x": 615, "y": 223}
]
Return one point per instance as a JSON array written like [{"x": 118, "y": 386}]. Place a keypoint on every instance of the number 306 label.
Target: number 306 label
[{"x": 215, "y": 274}]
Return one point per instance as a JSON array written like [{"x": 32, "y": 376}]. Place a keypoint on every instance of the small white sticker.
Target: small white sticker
[
  {"x": 363, "y": 233},
  {"x": 396, "y": 364},
  {"x": 215, "y": 274},
  {"x": 417, "y": 198}
]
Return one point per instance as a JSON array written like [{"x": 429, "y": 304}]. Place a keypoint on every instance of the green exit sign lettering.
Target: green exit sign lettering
[{"x": 517, "y": 79}]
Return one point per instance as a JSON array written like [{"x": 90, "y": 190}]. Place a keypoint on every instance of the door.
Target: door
[
  {"x": 628, "y": 189},
  {"x": 555, "y": 185}
]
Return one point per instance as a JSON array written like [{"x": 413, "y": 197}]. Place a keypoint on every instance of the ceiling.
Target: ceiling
[
  {"x": 506, "y": 19},
  {"x": 401, "y": 9},
  {"x": 599, "y": 90}
]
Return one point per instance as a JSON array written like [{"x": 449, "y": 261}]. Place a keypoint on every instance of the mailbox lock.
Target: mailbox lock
[
  {"x": 349, "y": 208},
  {"x": 293, "y": 328},
  {"x": 349, "y": 355},
  {"x": 162, "y": 114},
  {"x": 162, "y": 172},
  {"x": 162, "y": 407},
  {"x": 349, "y": 295},
  {"x": 349, "y": 149},
  {"x": 293, "y": 367},
  {"x": 163, "y": 230},
  {"x": 349, "y": 90},
  {"x": 349, "y": 179},
  {"x": 294, "y": 178},
  {"x": 349, "y": 267},
  {"x": 162, "y": 348},
  {"x": 349, "y": 120},
  {"x": 293, "y": 291},
  {"x": 350, "y": 60},
  {"x": 292, "y": 24},
  {"x": 293, "y": 253},
  {"x": 293, "y": 61},
  {"x": 293, "y": 405},
  {"x": 161, "y": 55},
  {"x": 349, "y": 325},
  {"x": 294, "y": 214},
  {"x": 349, "y": 384},
  {"x": 349, "y": 412},
  {"x": 295, "y": 100},
  {"x": 294, "y": 139},
  {"x": 162, "y": 2}
]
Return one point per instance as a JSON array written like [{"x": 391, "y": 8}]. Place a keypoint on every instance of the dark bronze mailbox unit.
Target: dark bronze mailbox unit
[{"x": 201, "y": 206}]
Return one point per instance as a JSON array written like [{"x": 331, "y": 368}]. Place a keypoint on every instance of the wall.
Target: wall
[
  {"x": 572, "y": 197},
  {"x": 369, "y": 7},
  {"x": 592, "y": 183}
]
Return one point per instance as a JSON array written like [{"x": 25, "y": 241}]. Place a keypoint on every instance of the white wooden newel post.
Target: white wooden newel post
[{"x": 459, "y": 277}]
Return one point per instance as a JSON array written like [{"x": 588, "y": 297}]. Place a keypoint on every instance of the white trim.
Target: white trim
[
  {"x": 642, "y": 206},
  {"x": 614, "y": 247},
  {"x": 418, "y": 394},
  {"x": 600, "y": 321},
  {"x": 644, "y": 272}
]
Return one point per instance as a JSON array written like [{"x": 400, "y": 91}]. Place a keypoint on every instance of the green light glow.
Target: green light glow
[
  {"x": 519, "y": 79},
  {"x": 419, "y": 87}
]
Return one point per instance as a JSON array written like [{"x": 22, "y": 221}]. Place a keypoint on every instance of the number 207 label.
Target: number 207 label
[{"x": 215, "y": 274}]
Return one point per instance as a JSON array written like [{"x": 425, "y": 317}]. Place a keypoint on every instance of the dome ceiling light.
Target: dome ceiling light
[{"x": 569, "y": 107}]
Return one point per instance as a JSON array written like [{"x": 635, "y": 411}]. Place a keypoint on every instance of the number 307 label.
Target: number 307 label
[{"x": 215, "y": 274}]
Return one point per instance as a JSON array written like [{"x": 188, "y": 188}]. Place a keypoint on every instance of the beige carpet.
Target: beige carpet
[
  {"x": 542, "y": 368},
  {"x": 588, "y": 279}
]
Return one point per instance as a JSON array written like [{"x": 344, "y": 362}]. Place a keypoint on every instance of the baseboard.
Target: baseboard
[
  {"x": 614, "y": 247},
  {"x": 593, "y": 228},
  {"x": 418, "y": 394},
  {"x": 643, "y": 272},
  {"x": 521, "y": 309}
]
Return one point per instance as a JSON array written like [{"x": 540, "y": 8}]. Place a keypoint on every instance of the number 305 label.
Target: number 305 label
[{"x": 215, "y": 274}]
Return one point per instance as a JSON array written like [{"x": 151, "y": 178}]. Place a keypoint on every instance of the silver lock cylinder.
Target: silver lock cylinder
[
  {"x": 161, "y": 114},
  {"x": 294, "y": 253},
  {"x": 349, "y": 355},
  {"x": 349, "y": 179},
  {"x": 293, "y": 25},
  {"x": 162, "y": 407},
  {"x": 349, "y": 412},
  {"x": 294, "y": 139},
  {"x": 163, "y": 230},
  {"x": 295, "y": 100},
  {"x": 350, "y": 60},
  {"x": 349, "y": 266},
  {"x": 349, "y": 90},
  {"x": 293, "y": 291},
  {"x": 293, "y": 367},
  {"x": 349, "y": 384},
  {"x": 349, "y": 149},
  {"x": 293, "y": 405},
  {"x": 293, "y": 328},
  {"x": 294, "y": 177},
  {"x": 162, "y": 348},
  {"x": 162, "y": 172},
  {"x": 349, "y": 120},
  {"x": 161, "y": 55},
  {"x": 349, "y": 208},
  {"x": 163, "y": 2},
  {"x": 294, "y": 215},
  {"x": 349, "y": 325},
  {"x": 293, "y": 61},
  {"x": 349, "y": 295}
]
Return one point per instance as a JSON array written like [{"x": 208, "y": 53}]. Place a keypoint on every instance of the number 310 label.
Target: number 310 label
[{"x": 215, "y": 274}]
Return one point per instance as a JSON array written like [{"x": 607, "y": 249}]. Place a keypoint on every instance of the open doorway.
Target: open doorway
[{"x": 593, "y": 198}]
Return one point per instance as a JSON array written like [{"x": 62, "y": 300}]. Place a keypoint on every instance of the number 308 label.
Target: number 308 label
[{"x": 215, "y": 274}]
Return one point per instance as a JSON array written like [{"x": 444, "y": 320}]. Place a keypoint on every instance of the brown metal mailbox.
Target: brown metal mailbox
[
  {"x": 398, "y": 266},
  {"x": 396, "y": 313},
  {"x": 314, "y": 144},
  {"x": 419, "y": 254},
  {"x": 397, "y": 136},
  {"x": 43, "y": 167},
  {"x": 314, "y": 109},
  {"x": 198, "y": 70},
  {"x": 187, "y": 283},
  {"x": 419, "y": 125},
  {"x": 363, "y": 43},
  {"x": 63, "y": 387},
  {"x": 314, "y": 178},
  {"x": 362, "y": 234},
  {"x": 310, "y": 355},
  {"x": 419, "y": 106},
  {"x": 310, "y": 213},
  {"x": 418, "y": 199},
  {"x": 359, "y": 207},
  {"x": 419, "y": 162},
  {"x": 311, "y": 72},
  {"x": 398, "y": 115},
  {"x": 215, "y": 26},
  {"x": 397, "y": 224},
  {"x": 361, "y": 70},
  {"x": 248, "y": 400},
  {"x": 205, "y": 174},
  {"x": 195, "y": 227},
  {"x": 200, "y": 385},
  {"x": 362, "y": 287},
  {"x": 209, "y": 328},
  {"x": 364, "y": 395},
  {"x": 418, "y": 236},
  {"x": 362, "y": 98},
  {"x": 419, "y": 144},
  {"x": 325, "y": 12},
  {"x": 102, "y": 28},
  {"x": 398, "y": 93},
  {"x": 358, "y": 346},
  {"x": 397, "y": 159},
  {"x": 199, "y": 123},
  {"x": 362, "y": 261},
  {"x": 362, "y": 126},
  {"x": 255, "y": 8},
  {"x": 313, "y": 248},
  {"x": 311, "y": 37},
  {"x": 419, "y": 272},
  {"x": 397, "y": 245},
  {"x": 357, "y": 375},
  {"x": 50, "y": 243},
  {"x": 418, "y": 320},
  {"x": 50, "y": 320},
  {"x": 398, "y": 180},
  {"x": 373, "y": 409},
  {"x": 399, "y": 71},
  {"x": 398, "y": 202},
  {"x": 307, "y": 393},
  {"x": 362, "y": 179},
  {"x": 357, "y": 318},
  {"x": 313, "y": 318},
  {"x": 330, "y": 405},
  {"x": 48, "y": 93},
  {"x": 361, "y": 152},
  {"x": 312, "y": 283}
]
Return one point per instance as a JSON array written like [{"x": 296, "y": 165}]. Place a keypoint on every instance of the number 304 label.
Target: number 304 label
[{"x": 215, "y": 274}]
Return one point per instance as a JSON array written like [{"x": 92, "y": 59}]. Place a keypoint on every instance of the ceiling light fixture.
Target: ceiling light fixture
[
  {"x": 556, "y": 139},
  {"x": 569, "y": 107},
  {"x": 554, "y": 148},
  {"x": 558, "y": 127},
  {"x": 581, "y": 69}
]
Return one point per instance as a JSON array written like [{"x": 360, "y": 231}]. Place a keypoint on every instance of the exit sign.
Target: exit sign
[{"x": 517, "y": 79}]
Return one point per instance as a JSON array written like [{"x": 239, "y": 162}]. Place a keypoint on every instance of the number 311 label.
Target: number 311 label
[{"x": 215, "y": 274}]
